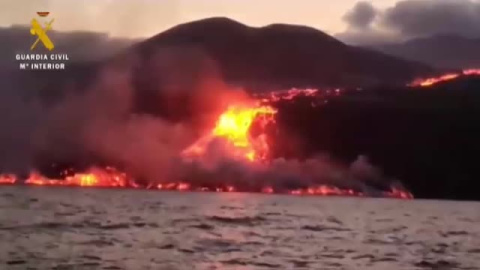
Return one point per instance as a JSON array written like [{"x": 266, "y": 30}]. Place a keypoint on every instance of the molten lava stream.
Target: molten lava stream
[
  {"x": 471, "y": 71},
  {"x": 114, "y": 179},
  {"x": 233, "y": 127},
  {"x": 426, "y": 82}
]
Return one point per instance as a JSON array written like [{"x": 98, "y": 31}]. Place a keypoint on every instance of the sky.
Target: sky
[
  {"x": 354, "y": 22},
  {"x": 144, "y": 18}
]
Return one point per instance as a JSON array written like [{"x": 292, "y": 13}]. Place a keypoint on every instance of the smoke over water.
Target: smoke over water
[{"x": 167, "y": 122}]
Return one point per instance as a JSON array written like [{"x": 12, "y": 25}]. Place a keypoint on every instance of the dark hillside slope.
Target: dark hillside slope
[
  {"x": 427, "y": 138},
  {"x": 282, "y": 55}
]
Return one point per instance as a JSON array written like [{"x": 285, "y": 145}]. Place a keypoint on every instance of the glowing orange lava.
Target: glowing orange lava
[
  {"x": 94, "y": 177},
  {"x": 234, "y": 126},
  {"x": 435, "y": 80},
  {"x": 321, "y": 190},
  {"x": 268, "y": 190},
  {"x": 425, "y": 82},
  {"x": 471, "y": 72},
  {"x": 315, "y": 97},
  {"x": 110, "y": 178},
  {"x": 292, "y": 94},
  {"x": 7, "y": 179},
  {"x": 325, "y": 190},
  {"x": 398, "y": 193}
]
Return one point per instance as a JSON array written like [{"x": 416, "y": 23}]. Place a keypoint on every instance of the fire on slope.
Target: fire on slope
[{"x": 426, "y": 82}]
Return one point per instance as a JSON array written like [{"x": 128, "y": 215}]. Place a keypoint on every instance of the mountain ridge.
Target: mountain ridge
[
  {"x": 283, "y": 55},
  {"x": 440, "y": 51}
]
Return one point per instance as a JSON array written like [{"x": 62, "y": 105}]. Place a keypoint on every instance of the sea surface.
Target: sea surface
[{"x": 74, "y": 228}]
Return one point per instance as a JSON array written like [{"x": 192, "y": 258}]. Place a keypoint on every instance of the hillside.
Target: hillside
[
  {"x": 280, "y": 55},
  {"x": 273, "y": 57},
  {"x": 426, "y": 138},
  {"x": 441, "y": 51}
]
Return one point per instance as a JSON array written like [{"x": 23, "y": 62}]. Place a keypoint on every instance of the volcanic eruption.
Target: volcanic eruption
[
  {"x": 175, "y": 115},
  {"x": 234, "y": 155}
]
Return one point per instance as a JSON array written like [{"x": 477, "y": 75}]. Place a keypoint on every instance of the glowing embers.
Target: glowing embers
[
  {"x": 325, "y": 190},
  {"x": 294, "y": 93},
  {"x": 426, "y": 82},
  {"x": 111, "y": 178},
  {"x": 321, "y": 190},
  {"x": 181, "y": 186},
  {"x": 233, "y": 127},
  {"x": 239, "y": 136},
  {"x": 291, "y": 94}
]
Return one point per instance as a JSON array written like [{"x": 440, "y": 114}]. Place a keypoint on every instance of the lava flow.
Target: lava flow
[
  {"x": 6, "y": 179},
  {"x": 94, "y": 177},
  {"x": 317, "y": 97},
  {"x": 426, "y": 82},
  {"x": 234, "y": 127},
  {"x": 289, "y": 94},
  {"x": 240, "y": 132}
]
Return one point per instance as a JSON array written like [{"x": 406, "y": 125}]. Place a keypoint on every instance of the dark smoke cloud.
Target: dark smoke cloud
[
  {"x": 420, "y": 18},
  {"x": 104, "y": 122},
  {"x": 219, "y": 169},
  {"x": 100, "y": 124},
  {"x": 361, "y": 16},
  {"x": 412, "y": 19}
]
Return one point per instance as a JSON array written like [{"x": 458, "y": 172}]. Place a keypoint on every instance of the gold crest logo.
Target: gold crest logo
[{"x": 41, "y": 33}]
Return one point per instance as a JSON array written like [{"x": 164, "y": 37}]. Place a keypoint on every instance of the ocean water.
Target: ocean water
[{"x": 73, "y": 228}]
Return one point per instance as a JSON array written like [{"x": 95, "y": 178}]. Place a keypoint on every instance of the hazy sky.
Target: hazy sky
[{"x": 144, "y": 18}]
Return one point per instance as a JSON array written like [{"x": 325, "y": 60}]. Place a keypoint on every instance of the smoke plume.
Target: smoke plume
[{"x": 409, "y": 19}]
